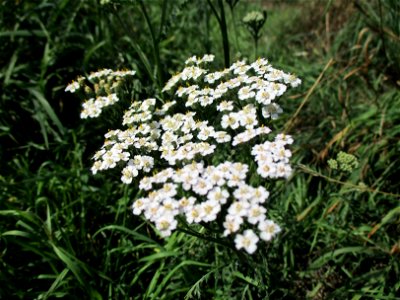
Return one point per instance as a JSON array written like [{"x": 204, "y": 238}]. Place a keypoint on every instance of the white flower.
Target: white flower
[
  {"x": 265, "y": 96},
  {"x": 259, "y": 63},
  {"x": 260, "y": 194},
  {"x": 171, "y": 206},
  {"x": 237, "y": 64},
  {"x": 169, "y": 190},
  {"x": 212, "y": 77},
  {"x": 147, "y": 163},
  {"x": 272, "y": 111},
  {"x": 230, "y": 120},
  {"x": 207, "y": 58},
  {"x": 268, "y": 229},
  {"x": 99, "y": 154},
  {"x": 235, "y": 82},
  {"x": 186, "y": 204},
  {"x": 145, "y": 184},
  {"x": 234, "y": 180},
  {"x": 225, "y": 106},
  {"x": 267, "y": 170},
  {"x": 283, "y": 139},
  {"x": 248, "y": 120},
  {"x": 139, "y": 205},
  {"x": 262, "y": 130},
  {"x": 192, "y": 60},
  {"x": 191, "y": 72},
  {"x": 274, "y": 75},
  {"x": 205, "y": 100},
  {"x": 188, "y": 180},
  {"x": 164, "y": 109},
  {"x": 205, "y": 133},
  {"x": 219, "y": 195},
  {"x": 152, "y": 211},
  {"x": 232, "y": 224},
  {"x": 100, "y": 73},
  {"x": 193, "y": 215},
  {"x": 202, "y": 186},
  {"x": 241, "y": 69},
  {"x": 248, "y": 241},
  {"x": 239, "y": 169},
  {"x": 172, "y": 82},
  {"x": 146, "y": 104},
  {"x": 221, "y": 137},
  {"x": 256, "y": 214},
  {"x": 166, "y": 224},
  {"x": 283, "y": 170},
  {"x": 243, "y": 192},
  {"x": 216, "y": 177},
  {"x": 210, "y": 209},
  {"x": 128, "y": 173},
  {"x": 205, "y": 148},
  {"x": 163, "y": 176},
  {"x": 96, "y": 167},
  {"x": 292, "y": 80},
  {"x": 279, "y": 88},
  {"x": 239, "y": 208},
  {"x": 246, "y": 93},
  {"x": 244, "y": 136},
  {"x": 282, "y": 154},
  {"x": 72, "y": 87}
]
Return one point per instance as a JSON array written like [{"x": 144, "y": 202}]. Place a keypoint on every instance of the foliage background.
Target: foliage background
[{"x": 67, "y": 234}]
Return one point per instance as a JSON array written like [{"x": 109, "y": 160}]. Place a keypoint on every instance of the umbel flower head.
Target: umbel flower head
[{"x": 198, "y": 156}]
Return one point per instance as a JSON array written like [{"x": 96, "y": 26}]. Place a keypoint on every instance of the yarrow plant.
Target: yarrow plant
[{"x": 197, "y": 156}]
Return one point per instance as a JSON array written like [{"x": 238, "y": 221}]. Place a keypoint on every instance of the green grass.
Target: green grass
[{"x": 65, "y": 233}]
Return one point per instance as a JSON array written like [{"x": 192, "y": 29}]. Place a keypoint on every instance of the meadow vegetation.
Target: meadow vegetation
[{"x": 66, "y": 233}]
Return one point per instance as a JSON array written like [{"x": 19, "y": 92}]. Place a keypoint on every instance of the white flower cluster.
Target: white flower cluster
[
  {"x": 207, "y": 191},
  {"x": 101, "y": 97},
  {"x": 188, "y": 145},
  {"x": 92, "y": 108},
  {"x": 272, "y": 158}
]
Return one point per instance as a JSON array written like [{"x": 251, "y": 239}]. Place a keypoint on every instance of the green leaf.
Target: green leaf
[{"x": 45, "y": 105}]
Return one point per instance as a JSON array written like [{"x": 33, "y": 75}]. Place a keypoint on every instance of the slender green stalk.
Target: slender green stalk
[
  {"x": 155, "y": 41},
  {"x": 224, "y": 31}
]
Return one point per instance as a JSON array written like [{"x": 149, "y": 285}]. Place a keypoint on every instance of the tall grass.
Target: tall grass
[{"x": 67, "y": 234}]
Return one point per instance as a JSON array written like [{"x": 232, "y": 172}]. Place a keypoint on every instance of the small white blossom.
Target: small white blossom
[
  {"x": 232, "y": 224},
  {"x": 166, "y": 224},
  {"x": 248, "y": 240},
  {"x": 268, "y": 229},
  {"x": 72, "y": 87},
  {"x": 272, "y": 111},
  {"x": 225, "y": 106},
  {"x": 246, "y": 93}
]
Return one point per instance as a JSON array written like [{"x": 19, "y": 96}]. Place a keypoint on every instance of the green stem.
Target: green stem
[
  {"x": 156, "y": 52},
  {"x": 214, "y": 11},
  {"x": 224, "y": 32},
  {"x": 163, "y": 16}
]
